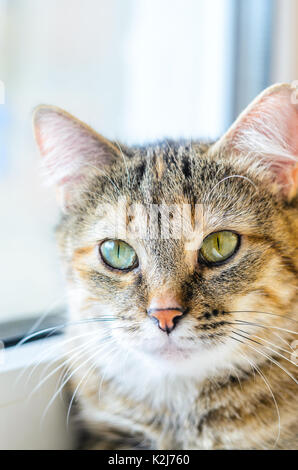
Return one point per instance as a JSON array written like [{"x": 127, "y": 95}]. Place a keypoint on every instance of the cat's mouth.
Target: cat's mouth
[{"x": 169, "y": 351}]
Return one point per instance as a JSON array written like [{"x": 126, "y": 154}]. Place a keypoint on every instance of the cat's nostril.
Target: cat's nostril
[{"x": 166, "y": 318}]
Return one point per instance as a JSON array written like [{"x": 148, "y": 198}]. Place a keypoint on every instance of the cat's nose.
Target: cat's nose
[{"x": 166, "y": 310}]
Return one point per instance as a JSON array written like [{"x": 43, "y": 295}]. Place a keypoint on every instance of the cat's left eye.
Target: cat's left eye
[
  {"x": 118, "y": 255},
  {"x": 219, "y": 247}
]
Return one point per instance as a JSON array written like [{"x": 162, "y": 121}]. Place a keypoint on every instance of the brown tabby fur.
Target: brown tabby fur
[{"x": 244, "y": 399}]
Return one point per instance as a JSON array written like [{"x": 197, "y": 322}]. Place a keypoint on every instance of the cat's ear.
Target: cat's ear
[
  {"x": 71, "y": 151},
  {"x": 265, "y": 136}
]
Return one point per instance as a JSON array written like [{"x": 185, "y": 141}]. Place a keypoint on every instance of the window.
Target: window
[{"x": 134, "y": 70}]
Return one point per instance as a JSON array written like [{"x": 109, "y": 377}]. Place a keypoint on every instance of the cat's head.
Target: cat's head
[{"x": 185, "y": 252}]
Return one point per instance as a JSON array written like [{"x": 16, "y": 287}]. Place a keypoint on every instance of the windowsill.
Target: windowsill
[
  {"x": 22, "y": 424},
  {"x": 12, "y": 331}
]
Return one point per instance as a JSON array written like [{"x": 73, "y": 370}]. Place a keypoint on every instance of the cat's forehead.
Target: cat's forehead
[
  {"x": 169, "y": 170},
  {"x": 173, "y": 178},
  {"x": 162, "y": 173},
  {"x": 176, "y": 172}
]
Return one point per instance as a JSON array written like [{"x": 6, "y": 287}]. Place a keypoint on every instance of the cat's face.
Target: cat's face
[{"x": 187, "y": 253}]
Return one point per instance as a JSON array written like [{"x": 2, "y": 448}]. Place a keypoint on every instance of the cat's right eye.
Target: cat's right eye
[{"x": 118, "y": 255}]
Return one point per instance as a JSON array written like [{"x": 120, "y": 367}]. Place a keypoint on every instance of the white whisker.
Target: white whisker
[{"x": 271, "y": 393}]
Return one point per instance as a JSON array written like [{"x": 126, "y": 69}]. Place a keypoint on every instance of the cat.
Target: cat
[{"x": 181, "y": 339}]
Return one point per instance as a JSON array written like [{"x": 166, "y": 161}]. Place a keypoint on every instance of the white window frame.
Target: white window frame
[{"x": 22, "y": 425}]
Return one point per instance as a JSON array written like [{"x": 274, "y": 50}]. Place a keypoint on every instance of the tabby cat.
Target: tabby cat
[{"x": 181, "y": 264}]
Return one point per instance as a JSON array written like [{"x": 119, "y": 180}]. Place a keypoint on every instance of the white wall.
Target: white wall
[{"x": 285, "y": 42}]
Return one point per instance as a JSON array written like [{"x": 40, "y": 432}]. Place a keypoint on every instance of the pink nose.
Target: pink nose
[{"x": 166, "y": 310}]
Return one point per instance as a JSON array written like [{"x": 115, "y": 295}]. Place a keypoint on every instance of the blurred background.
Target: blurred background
[{"x": 135, "y": 70}]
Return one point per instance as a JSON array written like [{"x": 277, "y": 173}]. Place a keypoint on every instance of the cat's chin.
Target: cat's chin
[
  {"x": 169, "y": 351},
  {"x": 172, "y": 357}
]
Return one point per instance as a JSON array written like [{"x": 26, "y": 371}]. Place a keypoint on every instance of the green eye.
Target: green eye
[
  {"x": 219, "y": 246},
  {"x": 118, "y": 254}
]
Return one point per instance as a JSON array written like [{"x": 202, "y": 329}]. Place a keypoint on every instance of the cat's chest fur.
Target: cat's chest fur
[
  {"x": 165, "y": 416},
  {"x": 182, "y": 413}
]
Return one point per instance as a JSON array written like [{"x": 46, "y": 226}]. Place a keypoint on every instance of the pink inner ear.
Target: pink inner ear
[
  {"x": 71, "y": 152},
  {"x": 293, "y": 129},
  {"x": 268, "y": 131},
  {"x": 68, "y": 147}
]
